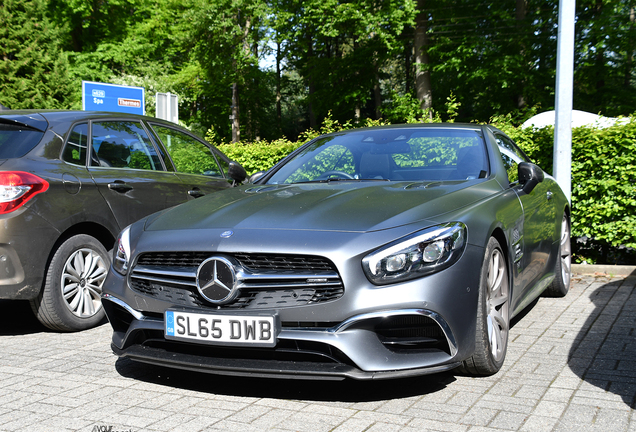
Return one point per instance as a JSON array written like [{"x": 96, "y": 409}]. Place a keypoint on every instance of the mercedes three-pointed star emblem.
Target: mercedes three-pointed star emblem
[{"x": 216, "y": 280}]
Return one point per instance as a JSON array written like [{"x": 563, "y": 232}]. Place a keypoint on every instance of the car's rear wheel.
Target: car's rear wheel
[
  {"x": 70, "y": 297},
  {"x": 563, "y": 268},
  {"x": 493, "y": 315}
]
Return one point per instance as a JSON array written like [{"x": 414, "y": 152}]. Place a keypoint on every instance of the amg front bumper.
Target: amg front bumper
[{"x": 379, "y": 345}]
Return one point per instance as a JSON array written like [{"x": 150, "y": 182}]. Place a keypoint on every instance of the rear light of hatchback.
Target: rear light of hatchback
[{"x": 17, "y": 187}]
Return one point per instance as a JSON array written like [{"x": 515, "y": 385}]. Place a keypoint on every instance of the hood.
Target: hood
[{"x": 335, "y": 206}]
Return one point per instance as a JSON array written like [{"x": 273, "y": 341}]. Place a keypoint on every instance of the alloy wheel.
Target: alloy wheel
[
  {"x": 82, "y": 279},
  {"x": 497, "y": 305},
  {"x": 566, "y": 253}
]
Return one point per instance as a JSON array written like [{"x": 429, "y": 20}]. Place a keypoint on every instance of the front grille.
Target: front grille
[
  {"x": 269, "y": 281},
  {"x": 279, "y": 263},
  {"x": 252, "y": 262}
]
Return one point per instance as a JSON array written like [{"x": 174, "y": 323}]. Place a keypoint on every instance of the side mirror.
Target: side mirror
[
  {"x": 530, "y": 176},
  {"x": 237, "y": 172},
  {"x": 256, "y": 176}
]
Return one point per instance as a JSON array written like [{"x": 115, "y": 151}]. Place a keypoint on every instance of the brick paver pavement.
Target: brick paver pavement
[{"x": 571, "y": 366}]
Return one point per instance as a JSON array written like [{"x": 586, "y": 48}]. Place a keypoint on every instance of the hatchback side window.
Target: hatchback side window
[
  {"x": 76, "y": 145},
  {"x": 189, "y": 155},
  {"x": 123, "y": 144},
  {"x": 511, "y": 157}
]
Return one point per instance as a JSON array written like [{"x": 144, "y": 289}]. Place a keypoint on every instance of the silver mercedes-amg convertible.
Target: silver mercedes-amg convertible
[{"x": 371, "y": 253}]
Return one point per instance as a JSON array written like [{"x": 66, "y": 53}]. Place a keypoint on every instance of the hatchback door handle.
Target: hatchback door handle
[
  {"x": 196, "y": 193},
  {"x": 119, "y": 186}
]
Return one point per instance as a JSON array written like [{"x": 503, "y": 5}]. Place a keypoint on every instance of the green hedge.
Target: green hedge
[
  {"x": 603, "y": 172},
  {"x": 258, "y": 156},
  {"x": 603, "y": 178}
]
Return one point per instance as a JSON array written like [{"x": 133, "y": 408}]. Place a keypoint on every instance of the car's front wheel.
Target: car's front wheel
[
  {"x": 70, "y": 297},
  {"x": 493, "y": 315}
]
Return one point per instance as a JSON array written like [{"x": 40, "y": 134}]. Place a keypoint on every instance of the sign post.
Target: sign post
[
  {"x": 167, "y": 107},
  {"x": 111, "y": 97}
]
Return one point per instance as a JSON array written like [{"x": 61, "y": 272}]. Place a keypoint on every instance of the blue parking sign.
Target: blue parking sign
[{"x": 111, "y": 97}]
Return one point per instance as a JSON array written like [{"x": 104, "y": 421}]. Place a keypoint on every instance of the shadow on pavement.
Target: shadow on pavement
[
  {"x": 604, "y": 353},
  {"x": 290, "y": 389},
  {"x": 16, "y": 318}
]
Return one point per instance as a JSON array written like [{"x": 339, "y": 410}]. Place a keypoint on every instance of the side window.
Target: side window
[
  {"x": 76, "y": 145},
  {"x": 511, "y": 157},
  {"x": 189, "y": 155},
  {"x": 123, "y": 144}
]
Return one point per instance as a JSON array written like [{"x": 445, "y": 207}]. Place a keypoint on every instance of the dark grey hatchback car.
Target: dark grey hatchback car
[{"x": 69, "y": 182}]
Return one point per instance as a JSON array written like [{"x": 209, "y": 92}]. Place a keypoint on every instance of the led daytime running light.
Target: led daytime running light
[{"x": 419, "y": 254}]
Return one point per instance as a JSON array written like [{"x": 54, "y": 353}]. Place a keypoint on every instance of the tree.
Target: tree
[
  {"x": 423, "y": 87},
  {"x": 33, "y": 69},
  {"x": 340, "y": 49},
  {"x": 228, "y": 33},
  {"x": 605, "y": 44}
]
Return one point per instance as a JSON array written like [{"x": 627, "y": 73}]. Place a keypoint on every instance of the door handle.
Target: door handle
[
  {"x": 119, "y": 186},
  {"x": 196, "y": 193},
  {"x": 549, "y": 195}
]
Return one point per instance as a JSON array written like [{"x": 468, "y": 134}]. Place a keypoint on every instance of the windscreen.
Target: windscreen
[
  {"x": 389, "y": 155},
  {"x": 16, "y": 140}
]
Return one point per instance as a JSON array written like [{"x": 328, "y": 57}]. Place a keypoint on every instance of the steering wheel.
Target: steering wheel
[{"x": 340, "y": 174}]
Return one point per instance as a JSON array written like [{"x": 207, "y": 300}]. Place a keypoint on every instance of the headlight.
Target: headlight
[
  {"x": 416, "y": 255},
  {"x": 121, "y": 252}
]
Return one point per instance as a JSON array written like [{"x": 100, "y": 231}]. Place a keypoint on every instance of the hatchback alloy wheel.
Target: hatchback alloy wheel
[
  {"x": 82, "y": 280},
  {"x": 70, "y": 299}
]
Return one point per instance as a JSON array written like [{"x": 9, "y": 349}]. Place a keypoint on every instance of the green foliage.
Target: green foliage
[
  {"x": 604, "y": 183},
  {"x": 402, "y": 108},
  {"x": 33, "y": 69},
  {"x": 603, "y": 177},
  {"x": 340, "y": 48},
  {"x": 452, "y": 107},
  {"x": 259, "y": 156}
]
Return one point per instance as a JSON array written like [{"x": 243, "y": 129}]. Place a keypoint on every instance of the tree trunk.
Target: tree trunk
[
  {"x": 521, "y": 13},
  {"x": 629, "y": 61},
  {"x": 279, "y": 115},
  {"x": 423, "y": 86},
  {"x": 377, "y": 93},
  {"x": 236, "y": 126},
  {"x": 408, "y": 55},
  {"x": 312, "y": 88},
  {"x": 600, "y": 59}
]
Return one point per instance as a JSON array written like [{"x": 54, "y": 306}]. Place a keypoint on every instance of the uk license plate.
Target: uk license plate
[{"x": 221, "y": 329}]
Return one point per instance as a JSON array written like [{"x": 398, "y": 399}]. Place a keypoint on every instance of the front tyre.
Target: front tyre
[
  {"x": 70, "y": 299},
  {"x": 493, "y": 315}
]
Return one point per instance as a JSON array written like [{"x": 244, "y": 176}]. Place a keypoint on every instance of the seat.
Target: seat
[
  {"x": 114, "y": 153},
  {"x": 375, "y": 166},
  {"x": 471, "y": 163}
]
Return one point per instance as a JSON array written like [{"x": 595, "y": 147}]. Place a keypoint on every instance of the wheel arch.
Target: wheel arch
[
  {"x": 99, "y": 232},
  {"x": 499, "y": 235}
]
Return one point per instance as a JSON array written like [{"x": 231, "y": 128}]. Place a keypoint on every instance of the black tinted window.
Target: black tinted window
[
  {"x": 189, "y": 154},
  {"x": 123, "y": 144},
  {"x": 76, "y": 146},
  {"x": 16, "y": 141}
]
